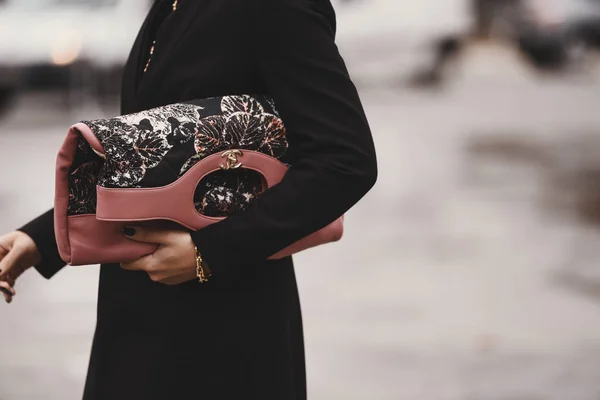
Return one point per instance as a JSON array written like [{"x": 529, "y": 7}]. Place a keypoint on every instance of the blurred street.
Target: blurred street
[{"x": 453, "y": 280}]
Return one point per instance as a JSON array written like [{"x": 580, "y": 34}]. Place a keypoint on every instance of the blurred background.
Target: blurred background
[{"x": 470, "y": 272}]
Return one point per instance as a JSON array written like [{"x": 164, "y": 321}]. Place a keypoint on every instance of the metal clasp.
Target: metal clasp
[{"x": 231, "y": 159}]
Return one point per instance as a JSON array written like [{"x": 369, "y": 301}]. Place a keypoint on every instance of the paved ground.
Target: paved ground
[{"x": 449, "y": 284}]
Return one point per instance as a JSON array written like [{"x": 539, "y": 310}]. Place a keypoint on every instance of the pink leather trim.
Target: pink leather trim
[
  {"x": 93, "y": 241},
  {"x": 64, "y": 160},
  {"x": 331, "y": 233},
  {"x": 175, "y": 202}
]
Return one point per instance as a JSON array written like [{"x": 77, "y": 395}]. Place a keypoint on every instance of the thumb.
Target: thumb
[{"x": 147, "y": 235}]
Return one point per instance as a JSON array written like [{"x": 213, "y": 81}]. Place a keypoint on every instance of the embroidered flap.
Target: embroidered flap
[{"x": 155, "y": 147}]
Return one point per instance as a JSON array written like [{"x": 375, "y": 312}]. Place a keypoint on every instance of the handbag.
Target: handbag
[{"x": 190, "y": 163}]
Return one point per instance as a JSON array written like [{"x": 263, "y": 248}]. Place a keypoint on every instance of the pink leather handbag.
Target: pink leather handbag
[{"x": 190, "y": 163}]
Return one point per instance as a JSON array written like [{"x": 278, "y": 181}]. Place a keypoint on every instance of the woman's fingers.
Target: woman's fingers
[
  {"x": 3, "y": 251},
  {"x": 7, "y": 263},
  {"x": 149, "y": 235},
  {"x": 172, "y": 263},
  {"x": 146, "y": 263},
  {"x": 7, "y": 290},
  {"x": 7, "y": 297}
]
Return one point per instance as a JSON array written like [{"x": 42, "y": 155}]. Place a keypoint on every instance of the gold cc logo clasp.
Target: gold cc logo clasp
[{"x": 231, "y": 159}]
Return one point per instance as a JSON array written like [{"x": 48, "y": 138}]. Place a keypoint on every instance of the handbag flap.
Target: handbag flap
[{"x": 156, "y": 147}]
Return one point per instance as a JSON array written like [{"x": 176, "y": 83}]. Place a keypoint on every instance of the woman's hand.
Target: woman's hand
[
  {"x": 174, "y": 261},
  {"x": 18, "y": 253}
]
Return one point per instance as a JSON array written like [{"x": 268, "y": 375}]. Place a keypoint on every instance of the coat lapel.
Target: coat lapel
[
  {"x": 132, "y": 70},
  {"x": 170, "y": 34}
]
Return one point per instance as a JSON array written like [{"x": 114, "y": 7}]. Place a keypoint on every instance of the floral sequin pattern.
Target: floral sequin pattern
[
  {"x": 177, "y": 137},
  {"x": 242, "y": 124},
  {"x": 137, "y": 142},
  {"x": 227, "y": 192},
  {"x": 82, "y": 180}
]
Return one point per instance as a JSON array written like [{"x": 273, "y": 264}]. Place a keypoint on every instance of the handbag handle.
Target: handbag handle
[{"x": 175, "y": 202}]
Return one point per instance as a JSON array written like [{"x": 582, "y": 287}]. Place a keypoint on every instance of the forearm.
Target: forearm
[
  {"x": 309, "y": 198},
  {"x": 331, "y": 147}
]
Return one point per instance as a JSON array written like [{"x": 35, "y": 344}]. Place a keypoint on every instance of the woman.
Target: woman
[{"x": 160, "y": 334}]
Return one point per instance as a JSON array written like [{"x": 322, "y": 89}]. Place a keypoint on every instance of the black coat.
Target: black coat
[{"x": 240, "y": 335}]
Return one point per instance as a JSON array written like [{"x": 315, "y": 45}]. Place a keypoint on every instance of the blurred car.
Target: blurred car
[
  {"x": 65, "y": 43},
  {"x": 557, "y": 36},
  {"x": 565, "y": 35},
  {"x": 382, "y": 38},
  {"x": 378, "y": 23}
]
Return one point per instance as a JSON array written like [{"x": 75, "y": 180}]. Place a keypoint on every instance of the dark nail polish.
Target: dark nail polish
[{"x": 127, "y": 231}]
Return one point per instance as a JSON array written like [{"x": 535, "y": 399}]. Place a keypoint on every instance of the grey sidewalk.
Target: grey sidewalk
[{"x": 444, "y": 288}]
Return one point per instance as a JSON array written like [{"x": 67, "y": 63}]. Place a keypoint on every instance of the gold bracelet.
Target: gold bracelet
[{"x": 200, "y": 273}]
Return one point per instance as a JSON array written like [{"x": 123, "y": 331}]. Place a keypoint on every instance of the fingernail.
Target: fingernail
[{"x": 127, "y": 231}]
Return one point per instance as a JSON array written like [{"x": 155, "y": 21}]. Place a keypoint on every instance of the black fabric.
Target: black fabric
[
  {"x": 41, "y": 230},
  {"x": 240, "y": 335}
]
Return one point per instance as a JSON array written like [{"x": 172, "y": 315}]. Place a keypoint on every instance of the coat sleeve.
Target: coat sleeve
[
  {"x": 41, "y": 230},
  {"x": 330, "y": 140}
]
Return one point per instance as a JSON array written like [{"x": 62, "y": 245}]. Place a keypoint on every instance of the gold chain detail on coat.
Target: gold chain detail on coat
[{"x": 174, "y": 7}]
